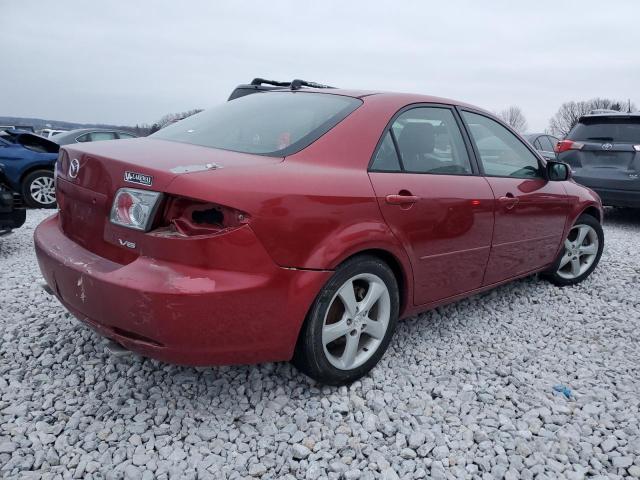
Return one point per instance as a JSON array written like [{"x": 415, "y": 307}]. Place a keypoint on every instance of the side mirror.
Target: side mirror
[{"x": 558, "y": 171}]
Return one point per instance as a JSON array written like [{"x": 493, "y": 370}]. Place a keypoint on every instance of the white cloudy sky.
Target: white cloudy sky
[{"x": 132, "y": 62}]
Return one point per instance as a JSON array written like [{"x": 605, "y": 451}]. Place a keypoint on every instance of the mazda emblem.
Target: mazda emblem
[
  {"x": 74, "y": 168},
  {"x": 607, "y": 146}
]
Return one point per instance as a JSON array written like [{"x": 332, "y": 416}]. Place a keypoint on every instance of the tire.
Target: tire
[
  {"x": 38, "y": 189},
  {"x": 368, "y": 324},
  {"x": 577, "y": 261}
]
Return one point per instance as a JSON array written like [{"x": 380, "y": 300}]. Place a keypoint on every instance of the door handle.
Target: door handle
[
  {"x": 401, "y": 199},
  {"x": 509, "y": 201}
]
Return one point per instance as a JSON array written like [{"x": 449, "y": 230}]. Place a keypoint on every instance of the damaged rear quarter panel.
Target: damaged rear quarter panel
[{"x": 316, "y": 207}]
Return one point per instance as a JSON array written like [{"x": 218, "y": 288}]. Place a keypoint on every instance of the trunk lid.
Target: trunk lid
[
  {"x": 605, "y": 154},
  {"x": 607, "y": 165},
  {"x": 89, "y": 175}
]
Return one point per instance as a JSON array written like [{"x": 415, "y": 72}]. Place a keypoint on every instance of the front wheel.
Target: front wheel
[
  {"x": 38, "y": 189},
  {"x": 581, "y": 253},
  {"x": 350, "y": 323}
]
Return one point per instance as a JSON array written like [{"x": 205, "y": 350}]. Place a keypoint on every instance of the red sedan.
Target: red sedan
[{"x": 302, "y": 223}]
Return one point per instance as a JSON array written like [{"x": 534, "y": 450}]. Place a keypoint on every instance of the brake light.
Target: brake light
[
  {"x": 133, "y": 208},
  {"x": 636, "y": 148},
  {"x": 564, "y": 145}
]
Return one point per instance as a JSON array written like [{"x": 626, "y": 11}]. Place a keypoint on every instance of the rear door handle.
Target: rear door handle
[
  {"x": 401, "y": 199},
  {"x": 509, "y": 201}
]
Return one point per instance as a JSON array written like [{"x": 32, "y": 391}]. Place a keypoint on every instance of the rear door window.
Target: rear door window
[
  {"x": 622, "y": 130},
  {"x": 429, "y": 141}
]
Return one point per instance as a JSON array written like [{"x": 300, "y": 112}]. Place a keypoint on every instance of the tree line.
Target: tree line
[
  {"x": 567, "y": 115},
  {"x": 145, "y": 129}
]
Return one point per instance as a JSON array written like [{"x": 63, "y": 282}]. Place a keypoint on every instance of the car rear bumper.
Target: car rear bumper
[
  {"x": 10, "y": 216},
  {"x": 181, "y": 314},
  {"x": 614, "y": 192}
]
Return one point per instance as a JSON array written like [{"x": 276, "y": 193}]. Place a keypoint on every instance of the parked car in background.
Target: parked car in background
[
  {"x": 11, "y": 216},
  {"x": 83, "y": 135},
  {"x": 260, "y": 230},
  {"x": 603, "y": 149},
  {"x": 26, "y": 128},
  {"x": 543, "y": 143},
  {"x": 29, "y": 161},
  {"x": 50, "y": 132}
]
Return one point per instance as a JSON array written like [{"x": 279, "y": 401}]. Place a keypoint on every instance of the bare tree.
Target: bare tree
[
  {"x": 514, "y": 117},
  {"x": 570, "y": 112},
  {"x": 170, "y": 118}
]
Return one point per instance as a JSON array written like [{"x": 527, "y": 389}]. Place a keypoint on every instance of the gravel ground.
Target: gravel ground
[{"x": 465, "y": 391}]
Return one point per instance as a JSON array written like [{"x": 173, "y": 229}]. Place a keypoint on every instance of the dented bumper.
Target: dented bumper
[{"x": 178, "y": 313}]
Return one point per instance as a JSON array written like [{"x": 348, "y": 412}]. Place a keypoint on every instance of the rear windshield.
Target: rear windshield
[
  {"x": 270, "y": 123},
  {"x": 625, "y": 130}
]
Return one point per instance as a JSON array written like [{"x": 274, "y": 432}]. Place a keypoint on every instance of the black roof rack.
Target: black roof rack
[
  {"x": 297, "y": 84},
  {"x": 258, "y": 85},
  {"x": 275, "y": 83}
]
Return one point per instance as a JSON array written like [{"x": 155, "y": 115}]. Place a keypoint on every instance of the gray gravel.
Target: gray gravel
[{"x": 466, "y": 391}]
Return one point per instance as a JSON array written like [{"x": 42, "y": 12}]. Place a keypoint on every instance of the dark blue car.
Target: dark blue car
[{"x": 28, "y": 161}]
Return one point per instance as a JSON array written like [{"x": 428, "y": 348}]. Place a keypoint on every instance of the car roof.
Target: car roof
[
  {"x": 73, "y": 134},
  {"x": 610, "y": 115},
  {"x": 533, "y": 135},
  {"x": 78, "y": 131},
  {"x": 260, "y": 85},
  {"x": 393, "y": 97}
]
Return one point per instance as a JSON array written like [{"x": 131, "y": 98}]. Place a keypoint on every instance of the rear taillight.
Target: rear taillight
[
  {"x": 190, "y": 217},
  {"x": 564, "y": 145},
  {"x": 133, "y": 208},
  {"x": 636, "y": 148}
]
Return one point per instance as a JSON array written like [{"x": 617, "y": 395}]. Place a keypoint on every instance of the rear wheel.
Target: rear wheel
[
  {"x": 580, "y": 254},
  {"x": 38, "y": 189},
  {"x": 350, "y": 323}
]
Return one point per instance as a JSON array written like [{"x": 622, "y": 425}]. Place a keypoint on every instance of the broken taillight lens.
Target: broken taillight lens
[
  {"x": 192, "y": 217},
  {"x": 133, "y": 208}
]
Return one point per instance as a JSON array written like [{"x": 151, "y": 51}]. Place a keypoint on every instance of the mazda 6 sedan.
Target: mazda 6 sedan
[{"x": 301, "y": 223}]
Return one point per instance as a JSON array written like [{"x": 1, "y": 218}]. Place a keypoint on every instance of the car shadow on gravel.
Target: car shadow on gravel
[{"x": 624, "y": 217}]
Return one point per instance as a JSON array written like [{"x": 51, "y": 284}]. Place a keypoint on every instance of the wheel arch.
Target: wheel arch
[
  {"x": 593, "y": 211},
  {"x": 590, "y": 208},
  {"x": 32, "y": 168},
  {"x": 401, "y": 271}
]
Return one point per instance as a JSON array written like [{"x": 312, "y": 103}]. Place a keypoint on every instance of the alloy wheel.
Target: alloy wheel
[
  {"x": 42, "y": 190},
  {"x": 581, "y": 250},
  {"x": 356, "y": 321}
]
